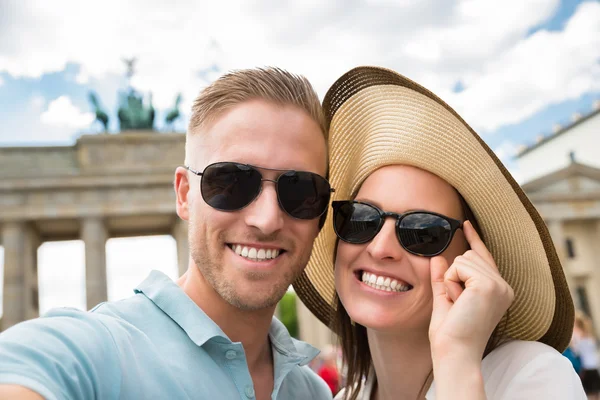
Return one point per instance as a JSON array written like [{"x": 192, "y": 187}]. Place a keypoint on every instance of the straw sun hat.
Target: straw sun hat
[{"x": 378, "y": 117}]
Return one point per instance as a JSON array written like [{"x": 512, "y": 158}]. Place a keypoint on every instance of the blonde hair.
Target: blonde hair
[{"x": 271, "y": 84}]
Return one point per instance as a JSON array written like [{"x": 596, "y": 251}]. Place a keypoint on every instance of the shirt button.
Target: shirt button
[
  {"x": 230, "y": 354},
  {"x": 249, "y": 392}
]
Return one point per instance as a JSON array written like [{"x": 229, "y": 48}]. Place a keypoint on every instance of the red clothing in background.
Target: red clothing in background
[{"x": 331, "y": 377}]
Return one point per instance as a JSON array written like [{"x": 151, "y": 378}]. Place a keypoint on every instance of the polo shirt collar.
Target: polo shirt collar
[
  {"x": 173, "y": 301},
  {"x": 282, "y": 342}
]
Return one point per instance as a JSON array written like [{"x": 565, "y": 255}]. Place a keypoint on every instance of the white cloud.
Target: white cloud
[
  {"x": 546, "y": 68},
  {"x": 37, "y": 103},
  {"x": 483, "y": 44},
  {"x": 62, "y": 113},
  {"x": 1, "y": 81},
  {"x": 506, "y": 151}
]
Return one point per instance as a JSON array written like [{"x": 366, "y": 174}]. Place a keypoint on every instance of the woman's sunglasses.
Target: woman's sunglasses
[
  {"x": 229, "y": 186},
  {"x": 421, "y": 233}
]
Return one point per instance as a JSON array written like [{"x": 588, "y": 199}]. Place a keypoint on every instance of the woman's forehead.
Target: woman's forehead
[{"x": 404, "y": 187}]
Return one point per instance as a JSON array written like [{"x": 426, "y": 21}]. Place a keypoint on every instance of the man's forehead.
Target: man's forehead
[
  {"x": 208, "y": 150},
  {"x": 297, "y": 144}
]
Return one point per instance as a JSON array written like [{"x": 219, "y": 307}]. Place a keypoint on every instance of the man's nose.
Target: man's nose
[{"x": 265, "y": 213}]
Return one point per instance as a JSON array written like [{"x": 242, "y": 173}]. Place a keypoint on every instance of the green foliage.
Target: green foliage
[{"x": 287, "y": 313}]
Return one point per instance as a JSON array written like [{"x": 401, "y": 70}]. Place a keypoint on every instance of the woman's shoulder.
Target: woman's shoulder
[
  {"x": 529, "y": 367},
  {"x": 521, "y": 350},
  {"x": 519, "y": 355}
]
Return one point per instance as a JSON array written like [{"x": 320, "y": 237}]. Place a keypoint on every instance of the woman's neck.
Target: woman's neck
[{"x": 402, "y": 363}]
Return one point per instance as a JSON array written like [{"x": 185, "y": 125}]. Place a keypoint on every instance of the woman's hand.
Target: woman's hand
[{"x": 469, "y": 299}]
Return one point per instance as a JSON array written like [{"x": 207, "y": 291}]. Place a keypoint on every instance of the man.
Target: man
[{"x": 253, "y": 193}]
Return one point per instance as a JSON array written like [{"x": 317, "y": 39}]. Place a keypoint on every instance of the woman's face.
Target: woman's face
[{"x": 395, "y": 188}]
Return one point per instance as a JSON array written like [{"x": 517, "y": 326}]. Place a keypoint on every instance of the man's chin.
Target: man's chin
[
  {"x": 255, "y": 305},
  {"x": 255, "y": 301}
]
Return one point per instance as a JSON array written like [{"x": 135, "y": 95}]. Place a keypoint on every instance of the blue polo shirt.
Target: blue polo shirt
[{"x": 157, "y": 344}]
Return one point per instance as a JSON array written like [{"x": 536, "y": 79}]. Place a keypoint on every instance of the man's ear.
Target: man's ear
[{"x": 182, "y": 190}]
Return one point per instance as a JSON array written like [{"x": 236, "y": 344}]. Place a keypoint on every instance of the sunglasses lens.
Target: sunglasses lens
[
  {"x": 424, "y": 233},
  {"x": 229, "y": 186},
  {"x": 303, "y": 195},
  {"x": 356, "y": 223}
]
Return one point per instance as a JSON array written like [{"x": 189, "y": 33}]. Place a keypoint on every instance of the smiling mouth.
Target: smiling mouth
[
  {"x": 255, "y": 254},
  {"x": 381, "y": 282}
]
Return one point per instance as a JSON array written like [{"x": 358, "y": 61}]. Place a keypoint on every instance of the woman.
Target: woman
[
  {"x": 448, "y": 285},
  {"x": 584, "y": 345}
]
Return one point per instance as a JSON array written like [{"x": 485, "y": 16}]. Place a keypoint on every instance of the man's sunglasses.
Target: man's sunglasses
[
  {"x": 230, "y": 186},
  {"x": 422, "y": 233}
]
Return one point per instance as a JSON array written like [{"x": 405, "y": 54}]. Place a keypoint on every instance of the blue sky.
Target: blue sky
[
  {"x": 27, "y": 92},
  {"x": 511, "y": 68}
]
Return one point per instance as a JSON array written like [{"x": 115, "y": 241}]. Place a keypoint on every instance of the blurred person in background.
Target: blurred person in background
[
  {"x": 584, "y": 345},
  {"x": 253, "y": 192},
  {"x": 329, "y": 369},
  {"x": 573, "y": 357}
]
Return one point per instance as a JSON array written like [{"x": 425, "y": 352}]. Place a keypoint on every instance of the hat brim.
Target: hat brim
[{"x": 378, "y": 117}]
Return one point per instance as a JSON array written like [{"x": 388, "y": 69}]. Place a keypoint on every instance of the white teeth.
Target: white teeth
[
  {"x": 261, "y": 254},
  {"x": 253, "y": 253},
  {"x": 385, "y": 284}
]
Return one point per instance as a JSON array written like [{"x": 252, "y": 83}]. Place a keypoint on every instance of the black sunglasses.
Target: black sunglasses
[
  {"x": 422, "y": 233},
  {"x": 230, "y": 186}
]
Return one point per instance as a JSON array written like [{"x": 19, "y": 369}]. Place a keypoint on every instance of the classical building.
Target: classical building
[
  {"x": 104, "y": 186},
  {"x": 562, "y": 173}
]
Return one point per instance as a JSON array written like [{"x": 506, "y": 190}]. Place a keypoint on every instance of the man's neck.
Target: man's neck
[
  {"x": 251, "y": 328},
  {"x": 402, "y": 363}
]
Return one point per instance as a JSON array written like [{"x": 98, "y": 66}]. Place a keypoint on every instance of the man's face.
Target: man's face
[{"x": 266, "y": 135}]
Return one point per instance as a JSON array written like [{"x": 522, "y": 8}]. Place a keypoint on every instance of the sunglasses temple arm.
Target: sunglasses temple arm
[{"x": 193, "y": 171}]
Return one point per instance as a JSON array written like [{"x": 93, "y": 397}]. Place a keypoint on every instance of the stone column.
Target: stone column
[
  {"x": 311, "y": 329},
  {"x": 593, "y": 284},
  {"x": 180, "y": 233},
  {"x": 95, "y": 235},
  {"x": 555, "y": 227},
  {"x": 20, "y": 296}
]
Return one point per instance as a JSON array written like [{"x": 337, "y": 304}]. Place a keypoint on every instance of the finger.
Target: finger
[
  {"x": 453, "y": 290},
  {"x": 441, "y": 303},
  {"x": 475, "y": 242},
  {"x": 463, "y": 271},
  {"x": 476, "y": 262},
  {"x": 474, "y": 257}
]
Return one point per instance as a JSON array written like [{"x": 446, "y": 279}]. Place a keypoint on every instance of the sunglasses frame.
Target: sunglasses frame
[
  {"x": 262, "y": 179},
  {"x": 454, "y": 224}
]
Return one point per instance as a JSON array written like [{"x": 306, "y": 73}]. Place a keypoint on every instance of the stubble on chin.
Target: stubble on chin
[{"x": 254, "y": 300}]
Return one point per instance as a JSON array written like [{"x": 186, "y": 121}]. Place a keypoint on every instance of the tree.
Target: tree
[{"x": 288, "y": 314}]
